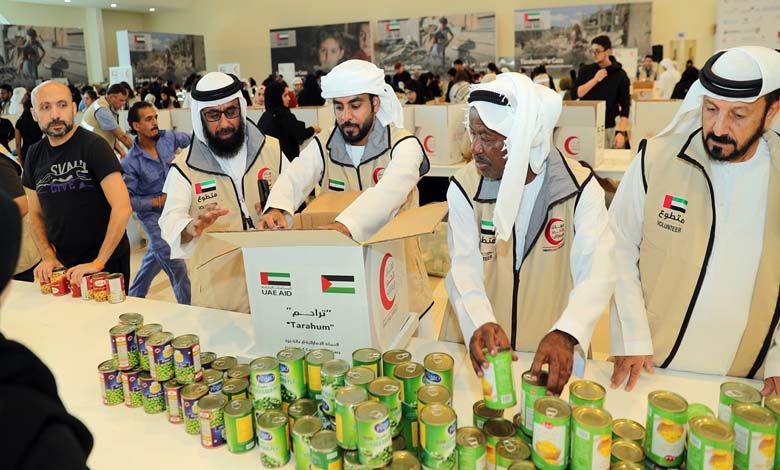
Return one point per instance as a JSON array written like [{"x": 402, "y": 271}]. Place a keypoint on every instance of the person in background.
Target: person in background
[
  {"x": 89, "y": 97},
  {"x": 450, "y": 81},
  {"x": 145, "y": 168},
  {"x": 16, "y": 106},
  {"x": 32, "y": 56},
  {"x": 365, "y": 45},
  {"x": 688, "y": 78},
  {"x": 415, "y": 92},
  {"x": 132, "y": 98},
  {"x": 75, "y": 92},
  {"x": 245, "y": 92},
  {"x": 401, "y": 77},
  {"x": 6, "y": 133},
  {"x": 26, "y": 132},
  {"x": 5, "y": 98},
  {"x": 565, "y": 88},
  {"x": 11, "y": 184},
  {"x": 492, "y": 73},
  {"x": 298, "y": 86},
  {"x": 292, "y": 98},
  {"x": 330, "y": 49},
  {"x": 102, "y": 118},
  {"x": 260, "y": 97},
  {"x": 168, "y": 99},
  {"x": 311, "y": 95},
  {"x": 668, "y": 79},
  {"x": 83, "y": 103},
  {"x": 441, "y": 40},
  {"x": 648, "y": 70},
  {"x": 277, "y": 121},
  {"x": 540, "y": 77},
  {"x": 459, "y": 91}
]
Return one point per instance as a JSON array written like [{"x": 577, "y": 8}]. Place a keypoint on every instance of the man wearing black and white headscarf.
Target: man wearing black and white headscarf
[
  {"x": 697, "y": 225},
  {"x": 212, "y": 188}
]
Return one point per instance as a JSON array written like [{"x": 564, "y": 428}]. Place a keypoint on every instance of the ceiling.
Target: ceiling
[{"x": 122, "y": 5}]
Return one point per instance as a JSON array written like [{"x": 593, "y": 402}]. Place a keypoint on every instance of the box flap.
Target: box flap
[
  {"x": 411, "y": 223},
  {"x": 257, "y": 239}
]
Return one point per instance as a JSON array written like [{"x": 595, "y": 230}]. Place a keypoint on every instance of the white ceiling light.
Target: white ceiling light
[
  {"x": 113, "y": 5},
  {"x": 67, "y": 1},
  {"x": 152, "y": 9}
]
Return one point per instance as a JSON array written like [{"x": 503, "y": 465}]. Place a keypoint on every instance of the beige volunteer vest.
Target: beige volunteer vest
[
  {"x": 677, "y": 241},
  {"x": 526, "y": 303},
  {"x": 90, "y": 122},
  {"x": 28, "y": 255},
  {"x": 340, "y": 174},
  {"x": 217, "y": 267}
]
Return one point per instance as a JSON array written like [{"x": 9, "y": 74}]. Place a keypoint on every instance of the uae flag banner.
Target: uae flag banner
[
  {"x": 275, "y": 279},
  {"x": 487, "y": 228},
  {"x": 532, "y": 16},
  {"x": 336, "y": 284},
  {"x": 675, "y": 203},
  {"x": 336, "y": 185},
  {"x": 205, "y": 186}
]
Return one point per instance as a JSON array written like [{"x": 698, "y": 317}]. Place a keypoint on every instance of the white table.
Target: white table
[
  {"x": 71, "y": 337},
  {"x": 614, "y": 163}
]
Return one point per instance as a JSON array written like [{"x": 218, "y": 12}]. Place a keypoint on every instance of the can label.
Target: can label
[
  {"x": 59, "y": 283},
  {"x": 153, "y": 396},
  {"x": 274, "y": 451},
  {"x": 591, "y": 449},
  {"x": 666, "y": 439},
  {"x": 132, "y": 389},
  {"x": 302, "y": 451},
  {"x": 410, "y": 430},
  {"x": 240, "y": 433},
  {"x": 124, "y": 351},
  {"x": 212, "y": 428},
  {"x": 111, "y": 388},
  {"x": 325, "y": 460},
  {"x": 443, "y": 378},
  {"x": 75, "y": 291},
  {"x": 754, "y": 450},
  {"x": 330, "y": 385},
  {"x": 708, "y": 455},
  {"x": 374, "y": 441},
  {"x": 100, "y": 289},
  {"x": 393, "y": 403},
  {"x": 472, "y": 458},
  {"x": 530, "y": 394},
  {"x": 346, "y": 426},
  {"x": 116, "y": 289},
  {"x": 498, "y": 387},
  {"x": 143, "y": 354},
  {"x": 266, "y": 390},
  {"x": 173, "y": 402},
  {"x": 438, "y": 445},
  {"x": 191, "y": 416},
  {"x": 550, "y": 442},
  {"x": 85, "y": 287},
  {"x": 293, "y": 380},
  {"x": 315, "y": 382},
  {"x": 161, "y": 362},
  {"x": 187, "y": 364}
]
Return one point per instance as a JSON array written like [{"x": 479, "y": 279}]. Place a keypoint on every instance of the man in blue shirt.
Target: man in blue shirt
[{"x": 145, "y": 169}]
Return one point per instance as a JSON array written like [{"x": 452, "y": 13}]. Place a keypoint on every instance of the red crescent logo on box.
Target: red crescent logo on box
[
  {"x": 554, "y": 231},
  {"x": 429, "y": 143},
  {"x": 265, "y": 174},
  {"x": 378, "y": 174},
  {"x": 572, "y": 145},
  {"x": 387, "y": 284}
]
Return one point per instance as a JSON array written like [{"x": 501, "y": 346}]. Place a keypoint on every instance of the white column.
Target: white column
[{"x": 95, "y": 45}]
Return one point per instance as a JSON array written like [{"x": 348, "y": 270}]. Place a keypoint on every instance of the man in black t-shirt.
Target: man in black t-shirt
[{"x": 79, "y": 204}]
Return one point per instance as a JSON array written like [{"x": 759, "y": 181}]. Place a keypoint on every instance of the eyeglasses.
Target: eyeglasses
[
  {"x": 215, "y": 115},
  {"x": 597, "y": 51}
]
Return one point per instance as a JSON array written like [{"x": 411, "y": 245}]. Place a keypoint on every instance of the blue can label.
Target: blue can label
[{"x": 432, "y": 377}]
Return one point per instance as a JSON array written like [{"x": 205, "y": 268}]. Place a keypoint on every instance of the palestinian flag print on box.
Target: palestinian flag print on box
[
  {"x": 335, "y": 284},
  {"x": 336, "y": 185},
  {"x": 275, "y": 279},
  {"x": 675, "y": 203},
  {"x": 205, "y": 186}
]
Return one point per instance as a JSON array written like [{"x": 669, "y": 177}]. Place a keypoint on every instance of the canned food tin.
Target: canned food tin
[
  {"x": 735, "y": 392},
  {"x": 432, "y": 395},
  {"x": 438, "y": 424},
  {"x": 391, "y": 359},
  {"x": 325, "y": 453},
  {"x": 495, "y": 430},
  {"x": 388, "y": 391},
  {"x": 272, "y": 439},
  {"x": 399, "y": 443},
  {"x": 314, "y": 361},
  {"x": 359, "y": 377},
  {"x": 173, "y": 404},
  {"x": 85, "y": 287},
  {"x": 772, "y": 404},
  {"x": 627, "y": 466},
  {"x": 224, "y": 364},
  {"x": 332, "y": 379},
  {"x": 368, "y": 357},
  {"x": 235, "y": 389},
  {"x": 510, "y": 450},
  {"x": 551, "y": 433},
  {"x": 403, "y": 460},
  {"x": 347, "y": 400},
  {"x": 98, "y": 287},
  {"x": 45, "y": 286},
  {"x": 352, "y": 461},
  {"x": 628, "y": 430},
  {"x": 303, "y": 430},
  {"x": 75, "y": 290},
  {"x": 214, "y": 380},
  {"x": 374, "y": 440},
  {"x": 410, "y": 431},
  {"x": 110, "y": 383},
  {"x": 696, "y": 410},
  {"x": 239, "y": 372},
  {"x": 264, "y": 384},
  {"x": 585, "y": 392},
  {"x": 626, "y": 451},
  {"x": 160, "y": 351},
  {"x": 59, "y": 282},
  {"x": 525, "y": 465},
  {"x": 190, "y": 395},
  {"x": 124, "y": 348},
  {"x": 591, "y": 435},
  {"x": 116, "y": 288},
  {"x": 207, "y": 358},
  {"x": 300, "y": 408},
  {"x": 438, "y": 370},
  {"x": 239, "y": 426},
  {"x": 498, "y": 389},
  {"x": 142, "y": 334},
  {"x": 532, "y": 389},
  {"x": 755, "y": 429},
  {"x": 212, "y": 420},
  {"x": 481, "y": 413},
  {"x": 153, "y": 395},
  {"x": 186, "y": 359},
  {"x": 132, "y": 388},
  {"x": 292, "y": 370},
  {"x": 471, "y": 449},
  {"x": 710, "y": 444},
  {"x": 665, "y": 439},
  {"x": 131, "y": 318},
  {"x": 410, "y": 376}
]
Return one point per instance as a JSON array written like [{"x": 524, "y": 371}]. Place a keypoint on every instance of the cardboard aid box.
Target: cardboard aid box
[
  {"x": 650, "y": 117},
  {"x": 579, "y": 133},
  {"x": 320, "y": 115},
  {"x": 440, "y": 128},
  {"x": 312, "y": 288}
]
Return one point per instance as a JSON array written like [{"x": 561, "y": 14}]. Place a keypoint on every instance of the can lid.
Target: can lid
[
  {"x": 498, "y": 427},
  {"x": 433, "y": 393},
  {"x": 114, "y": 276},
  {"x": 307, "y": 426},
  {"x": 351, "y": 396},
  {"x": 335, "y": 368},
  {"x": 384, "y": 386},
  {"x": 551, "y": 407},
  {"x": 145, "y": 376},
  {"x": 740, "y": 392},
  {"x": 272, "y": 419},
  {"x": 158, "y": 339},
  {"x": 439, "y": 362},
  {"x": 711, "y": 428},
  {"x": 524, "y": 465},
  {"x": 121, "y": 329},
  {"x": 409, "y": 370},
  {"x": 587, "y": 390},
  {"x": 627, "y": 451},
  {"x": 100, "y": 275},
  {"x": 132, "y": 317},
  {"x": 592, "y": 417},
  {"x": 396, "y": 356},
  {"x": 324, "y": 441},
  {"x": 185, "y": 341},
  {"x": 628, "y": 429},
  {"x": 149, "y": 329},
  {"x": 540, "y": 381},
  {"x": 470, "y": 437},
  {"x": 437, "y": 415},
  {"x": 233, "y": 386},
  {"x": 224, "y": 362},
  {"x": 667, "y": 401},
  {"x": 513, "y": 449},
  {"x": 212, "y": 376},
  {"x": 352, "y": 457},
  {"x": 302, "y": 407},
  {"x": 359, "y": 376},
  {"x": 262, "y": 364},
  {"x": 626, "y": 466},
  {"x": 371, "y": 411},
  {"x": 773, "y": 404},
  {"x": 212, "y": 402},
  {"x": 483, "y": 411},
  {"x": 207, "y": 357},
  {"x": 366, "y": 355},
  {"x": 753, "y": 414},
  {"x": 290, "y": 354},
  {"x": 194, "y": 391},
  {"x": 499, "y": 350},
  {"x": 403, "y": 460},
  {"x": 238, "y": 372},
  {"x": 318, "y": 357},
  {"x": 134, "y": 371},
  {"x": 107, "y": 366},
  {"x": 239, "y": 407},
  {"x": 172, "y": 385}
]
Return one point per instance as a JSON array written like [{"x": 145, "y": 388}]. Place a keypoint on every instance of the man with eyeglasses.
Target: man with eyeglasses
[
  {"x": 605, "y": 80},
  {"x": 214, "y": 188}
]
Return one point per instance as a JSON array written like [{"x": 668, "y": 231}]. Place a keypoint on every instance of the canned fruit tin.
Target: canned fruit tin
[
  {"x": 591, "y": 435},
  {"x": 391, "y": 359},
  {"x": 99, "y": 287},
  {"x": 735, "y": 392},
  {"x": 332, "y": 376},
  {"x": 551, "y": 433},
  {"x": 272, "y": 439},
  {"x": 710, "y": 444},
  {"x": 110, "y": 383},
  {"x": 265, "y": 385},
  {"x": 388, "y": 391},
  {"x": 403, "y": 460},
  {"x": 207, "y": 358},
  {"x": 132, "y": 318},
  {"x": 498, "y": 389},
  {"x": 696, "y": 410},
  {"x": 292, "y": 370},
  {"x": 116, "y": 288},
  {"x": 368, "y": 357},
  {"x": 755, "y": 431},
  {"x": 190, "y": 395},
  {"x": 235, "y": 389},
  {"x": 153, "y": 394},
  {"x": 45, "y": 286},
  {"x": 186, "y": 359},
  {"x": 59, "y": 282},
  {"x": 482, "y": 413},
  {"x": 239, "y": 426},
  {"x": 172, "y": 390},
  {"x": 212, "y": 420},
  {"x": 314, "y": 361},
  {"x": 772, "y": 403},
  {"x": 627, "y": 466},
  {"x": 160, "y": 351},
  {"x": 585, "y": 392},
  {"x": 214, "y": 380},
  {"x": 532, "y": 389},
  {"x": 224, "y": 364},
  {"x": 325, "y": 453},
  {"x": 438, "y": 370},
  {"x": 347, "y": 400},
  {"x": 438, "y": 425},
  {"x": 303, "y": 430},
  {"x": 410, "y": 376},
  {"x": 626, "y": 451},
  {"x": 124, "y": 348},
  {"x": 665, "y": 438},
  {"x": 628, "y": 430},
  {"x": 471, "y": 449},
  {"x": 374, "y": 440},
  {"x": 526, "y": 465},
  {"x": 75, "y": 290},
  {"x": 495, "y": 429},
  {"x": 359, "y": 377},
  {"x": 432, "y": 395},
  {"x": 142, "y": 335},
  {"x": 510, "y": 450},
  {"x": 131, "y": 387},
  {"x": 84, "y": 287}
]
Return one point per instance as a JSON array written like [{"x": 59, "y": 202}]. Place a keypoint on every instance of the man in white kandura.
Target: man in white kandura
[
  {"x": 368, "y": 150},
  {"x": 697, "y": 226},
  {"x": 528, "y": 237}
]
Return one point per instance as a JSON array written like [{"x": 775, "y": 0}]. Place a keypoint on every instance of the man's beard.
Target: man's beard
[
  {"x": 362, "y": 130},
  {"x": 155, "y": 137},
  {"x": 225, "y": 148},
  {"x": 716, "y": 152},
  {"x": 67, "y": 127}
]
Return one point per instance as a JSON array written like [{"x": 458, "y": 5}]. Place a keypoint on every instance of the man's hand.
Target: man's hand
[
  {"x": 274, "y": 219},
  {"x": 205, "y": 219},
  {"x": 75, "y": 273},
  {"x": 338, "y": 226},
  {"x": 316, "y": 128},
  {"x": 44, "y": 269},
  {"x": 557, "y": 351},
  {"x": 633, "y": 365},
  {"x": 771, "y": 386},
  {"x": 619, "y": 141},
  {"x": 601, "y": 74},
  {"x": 492, "y": 337},
  {"x": 159, "y": 201}
]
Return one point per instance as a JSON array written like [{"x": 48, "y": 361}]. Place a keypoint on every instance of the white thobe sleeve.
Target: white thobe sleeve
[
  {"x": 465, "y": 281},
  {"x": 629, "y": 329},
  {"x": 592, "y": 266},
  {"x": 176, "y": 214},
  {"x": 376, "y": 206},
  {"x": 297, "y": 180},
  {"x": 772, "y": 361}
]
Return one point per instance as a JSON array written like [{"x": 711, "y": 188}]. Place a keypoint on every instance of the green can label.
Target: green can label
[
  {"x": 591, "y": 448},
  {"x": 498, "y": 387},
  {"x": 330, "y": 385},
  {"x": 239, "y": 426},
  {"x": 471, "y": 450},
  {"x": 709, "y": 454},
  {"x": 292, "y": 369},
  {"x": 375, "y": 443},
  {"x": 531, "y": 393},
  {"x": 307, "y": 427},
  {"x": 272, "y": 439},
  {"x": 367, "y": 357},
  {"x": 755, "y": 448},
  {"x": 438, "y": 370},
  {"x": 550, "y": 436},
  {"x": 438, "y": 440},
  {"x": 410, "y": 430},
  {"x": 388, "y": 392},
  {"x": 265, "y": 386}
]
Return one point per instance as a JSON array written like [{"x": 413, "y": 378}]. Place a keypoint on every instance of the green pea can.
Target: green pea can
[
  {"x": 314, "y": 362},
  {"x": 627, "y": 466},
  {"x": 110, "y": 383},
  {"x": 399, "y": 443},
  {"x": 298, "y": 409},
  {"x": 495, "y": 430},
  {"x": 628, "y": 430},
  {"x": 160, "y": 356},
  {"x": 272, "y": 439},
  {"x": 186, "y": 359},
  {"x": 212, "y": 420},
  {"x": 374, "y": 439},
  {"x": 368, "y": 357},
  {"x": 391, "y": 359},
  {"x": 665, "y": 437},
  {"x": 153, "y": 395},
  {"x": 410, "y": 376},
  {"x": 303, "y": 430},
  {"x": 626, "y": 451},
  {"x": 359, "y": 377},
  {"x": 773, "y": 405},
  {"x": 207, "y": 359},
  {"x": 551, "y": 433},
  {"x": 224, "y": 364},
  {"x": 586, "y": 392},
  {"x": 710, "y": 444},
  {"x": 240, "y": 372},
  {"x": 142, "y": 334},
  {"x": 388, "y": 391},
  {"x": 239, "y": 425},
  {"x": 235, "y": 389},
  {"x": 510, "y": 450},
  {"x": 264, "y": 384},
  {"x": 438, "y": 370},
  {"x": 173, "y": 400},
  {"x": 410, "y": 431},
  {"x": 214, "y": 379},
  {"x": 124, "y": 347},
  {"x": 190, "y": 396},
  {"x": 498, "y": 387},
  {"x": 292, "y": 371},
  {"x": 352, "y": 461},
  {"x": 591, "y": 435},
  {"x": 403, "y": 460},
  {"x": 525, "y": 465},
  {"x": 325, "y": 453},
  {"x": 755, "y": 429},
  {"x": 347, "y": 400},
  {"x": 332, "y": 377},
  {"x": 438, "y": 424},
  {"x": 481, "y": 413},
  {"x": 732, "y": 393},
  {"x": 132, "y": 387},
  {"x": 432, "y": 395},
  {"x": 470, "y": 449},
  {"x": 532, "y": 389}
]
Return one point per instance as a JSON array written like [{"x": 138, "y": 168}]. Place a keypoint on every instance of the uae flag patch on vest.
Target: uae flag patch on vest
[
  {"x": 205, "y": 186},
  {"x": 675, "y": 203},
  {"x": 487, "y": 228},
  {"x": 336, "y": 185}
]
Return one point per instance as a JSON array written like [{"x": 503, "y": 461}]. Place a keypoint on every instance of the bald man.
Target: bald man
[{"x": 78, "y": 203}]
